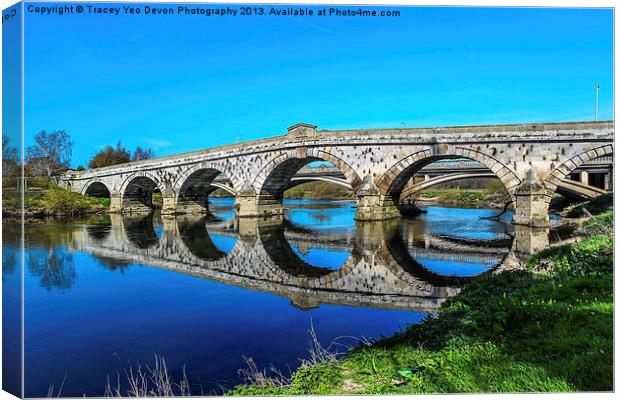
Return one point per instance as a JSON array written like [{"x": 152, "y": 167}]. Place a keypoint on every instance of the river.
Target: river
[{"x": 106, "y": 293}]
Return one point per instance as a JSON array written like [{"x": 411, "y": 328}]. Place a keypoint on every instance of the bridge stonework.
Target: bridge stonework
[
  {"x": 530, "y": 159},
  {"x": 380, "y": 271}
]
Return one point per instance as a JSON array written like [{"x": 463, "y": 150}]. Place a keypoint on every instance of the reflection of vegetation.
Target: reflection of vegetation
[
  {"x": 48, "y": 258},
  {"x": 158, "y": 200},
  {"x": 53, "y": 265},
  {"x": 546, "y": 328},
  {"x": 113, "y": 264},
  {"x": 10, "y": 248},
  {"x": 99, "y": 231},
  {"x": 318, "y": 191}
]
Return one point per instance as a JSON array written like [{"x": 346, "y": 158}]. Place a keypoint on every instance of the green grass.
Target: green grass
[
  {"x": 158, "y": 200},
  {"x": 318, "y": 191},
  {"x": 457, "y": 195},
  {"x": 598, "y": 205},
  {"x": 51, "y": 200},
  {"x": 547, "y": 328},
  {"x": 601, "y": 224}
]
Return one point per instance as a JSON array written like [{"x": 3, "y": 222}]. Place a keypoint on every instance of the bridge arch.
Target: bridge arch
[
  {"x": 394, "y": 180},
  {"x": 137, "y": 191},
  {"x": 96, "y": 188},
  {"x": 555, "y": 178},
  {"x": 274, "y": 178},
  {"x": 193, "y": 186}
]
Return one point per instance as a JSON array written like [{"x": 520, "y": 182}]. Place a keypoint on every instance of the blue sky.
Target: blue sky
[{"x": 182, "y": 83}]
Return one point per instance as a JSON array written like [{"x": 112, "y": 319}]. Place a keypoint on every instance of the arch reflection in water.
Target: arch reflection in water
[
  {"x": 379, "y": 271},
  {"x": 445, "y": 244},
  {"x": 193, "y": 232}
]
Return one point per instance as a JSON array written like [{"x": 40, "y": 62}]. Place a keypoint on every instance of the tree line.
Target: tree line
[{"x": 50, "y": 155}]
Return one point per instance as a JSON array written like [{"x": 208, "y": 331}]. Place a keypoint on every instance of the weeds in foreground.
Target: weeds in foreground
[
  {"x": 272, "y": 379},
  {"x": 252, "y": 375},
  {"x": 602, "y": 224},
  {"x": 50, "y": 390},
  {"x": 148, "y": 381},
  {"x": 319, "y": 354}
]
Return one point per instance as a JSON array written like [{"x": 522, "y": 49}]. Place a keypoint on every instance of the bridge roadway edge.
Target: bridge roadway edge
[{"x": 528, "y": 158}]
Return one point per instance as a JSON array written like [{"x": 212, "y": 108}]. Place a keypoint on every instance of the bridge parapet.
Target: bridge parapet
[{"x": 259, "y": 171}]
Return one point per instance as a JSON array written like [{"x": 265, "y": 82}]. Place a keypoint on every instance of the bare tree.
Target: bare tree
[
  {"x": 51, "y": 153},
  {"x": 143, "y": 153},
  {"x": 9, "y": 158}
]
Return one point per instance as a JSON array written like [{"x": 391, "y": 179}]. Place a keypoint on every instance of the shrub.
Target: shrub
[
  {"x": 67, "y": 203},
  {"x": 597, "y": 205},
  {"x": 602, "y": 224},
  {"x": 429, "y": 193},
  {"x": 494, "y": 187}
]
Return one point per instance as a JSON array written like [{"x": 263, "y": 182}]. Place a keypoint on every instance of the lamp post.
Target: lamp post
[{"x": 596, "y": 102}]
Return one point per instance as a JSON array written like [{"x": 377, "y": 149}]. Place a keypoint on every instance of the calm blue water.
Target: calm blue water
[{"x": 92, "y": 308}]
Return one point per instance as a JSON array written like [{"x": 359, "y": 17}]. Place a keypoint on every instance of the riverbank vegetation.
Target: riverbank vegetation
[
  {"x": 491, "y": 193},
  {"x": 44, "y": 199},
  {"x": 547, "y": 328},
  {"x": 318, "y": 191},
  {"x": 45, "y": 160},
  {"x": 598, "y": 205}
]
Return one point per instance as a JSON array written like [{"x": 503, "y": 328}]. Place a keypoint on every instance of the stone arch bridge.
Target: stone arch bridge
[{"x": 532, "y": 161}]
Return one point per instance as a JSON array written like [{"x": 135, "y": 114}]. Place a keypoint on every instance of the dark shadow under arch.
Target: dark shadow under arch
[
  {"x": 97, "y": 189},
  {"x": 284, "y": 257},
  {"x": 140, "y": 231},
  {"x": 194, "y": 192},
  {"x": 196, "y": 238},
  {"x": 138, "y": 194}
]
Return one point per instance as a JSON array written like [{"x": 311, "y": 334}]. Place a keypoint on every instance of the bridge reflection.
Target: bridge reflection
[{"x": 388, "y": 264}]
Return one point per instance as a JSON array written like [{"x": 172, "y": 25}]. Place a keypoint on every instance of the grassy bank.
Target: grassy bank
[
  {"x": 598, "y": 205},
  {"x": 464, "y": 197},
  {"x": 50, "y": 200},
  {"x": 546, "y": 328},
  {"x": 318, "y": 191}
]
